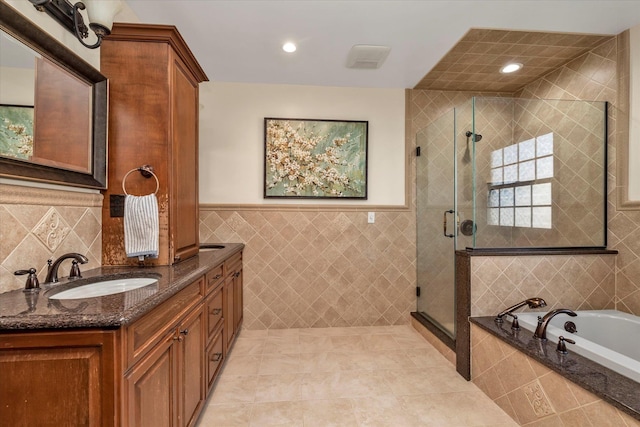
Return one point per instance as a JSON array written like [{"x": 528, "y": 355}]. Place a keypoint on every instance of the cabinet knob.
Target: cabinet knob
[
  {"x": 216, "y": 357},
  {"x": 236, "y": 274},
  {"x": 185, "y": 332},
  {"x": 178, "y": 338},
  {"x": 216, "y": 311},
  {"x": 216, "y": 277}
]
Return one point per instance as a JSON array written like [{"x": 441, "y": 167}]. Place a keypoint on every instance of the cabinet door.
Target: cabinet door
[
  {"x": 227, "y": 313},
  {"x": 58, "y": 379},
  {"x": 192, "y": 366},
  {"x": 184, "y": 188},
  {"x": 150, "y": 388},
  {"x": 237, "y": 299}
]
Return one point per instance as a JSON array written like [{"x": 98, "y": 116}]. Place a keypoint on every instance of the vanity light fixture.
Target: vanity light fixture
[
  {"x": 289, "y": 47},
  {"x": 511, "y": 68},
  {"x": 100, "y": 13}
]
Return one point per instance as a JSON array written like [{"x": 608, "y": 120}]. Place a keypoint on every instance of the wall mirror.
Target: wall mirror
[{"x": 53, "y": 108}]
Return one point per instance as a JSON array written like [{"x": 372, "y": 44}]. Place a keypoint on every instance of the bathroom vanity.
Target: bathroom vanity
[{"x": 146, "y": 357}]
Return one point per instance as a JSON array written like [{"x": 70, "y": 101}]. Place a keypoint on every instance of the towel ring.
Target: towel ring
[{"x": 148, "y": 171}]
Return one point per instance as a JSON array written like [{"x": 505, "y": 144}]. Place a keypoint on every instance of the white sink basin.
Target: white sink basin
[{"x": 107, "y": 287}]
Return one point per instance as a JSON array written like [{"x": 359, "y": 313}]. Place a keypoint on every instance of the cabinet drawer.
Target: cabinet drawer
[
  {"x": 215, "y": 357},
  {"x": 144, "y": 333},
  {"x": 214, "y": 278},
  {"x": 214, "y": 313},
  {"x": 233, "y": 263}
]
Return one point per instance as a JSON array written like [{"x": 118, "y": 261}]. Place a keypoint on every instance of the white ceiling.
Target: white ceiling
[{"x": 240, "y": 41}]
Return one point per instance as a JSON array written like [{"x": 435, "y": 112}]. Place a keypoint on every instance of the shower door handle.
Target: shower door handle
[{"x": 444, "y": 223}]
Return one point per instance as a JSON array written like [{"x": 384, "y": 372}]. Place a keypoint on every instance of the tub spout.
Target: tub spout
[
  {"x": 543, "y": 322},
  {"x": 531, "y": 302}
]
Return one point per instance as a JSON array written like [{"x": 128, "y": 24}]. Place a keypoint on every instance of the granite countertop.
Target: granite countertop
[
  {"x": 28, "y": 311},
  {"x": 616, "y": 389}
]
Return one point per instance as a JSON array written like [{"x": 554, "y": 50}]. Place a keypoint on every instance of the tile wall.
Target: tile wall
[
  {"x": 320, "y": 268},
  {"x": 580, "y": 282},
  {"x": 38, "y": 224}
]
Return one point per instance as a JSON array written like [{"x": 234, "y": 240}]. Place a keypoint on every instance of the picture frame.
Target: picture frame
[
  {"x": 315, "y": 158},
  {"x": 16, "y": 131}
]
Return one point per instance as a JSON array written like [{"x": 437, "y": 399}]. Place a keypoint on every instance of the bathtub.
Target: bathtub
[{"x": 608, "y": 337}]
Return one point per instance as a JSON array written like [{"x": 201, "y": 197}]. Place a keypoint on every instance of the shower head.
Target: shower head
[
  {"x": 476, "y": 136},
  {"x": 535, "y": 302}
]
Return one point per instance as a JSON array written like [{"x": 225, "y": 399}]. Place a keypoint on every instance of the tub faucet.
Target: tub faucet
[
  {"x": 543, "y": 322},
  {"x": 531, "y": 302},
  {"x": 52, "y": 270}
]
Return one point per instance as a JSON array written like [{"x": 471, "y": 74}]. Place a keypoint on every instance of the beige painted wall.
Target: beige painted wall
[
  {"x": 232, "y": 137},
  {"x": 16, "y": 86}
]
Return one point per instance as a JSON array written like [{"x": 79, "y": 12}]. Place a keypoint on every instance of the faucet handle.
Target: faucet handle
[
  {"x": 75, "y": 270},
  {"x": 562, "y": 347},
  {"x": 515, "y": 325},
  {"x": 32, "y": 284}
]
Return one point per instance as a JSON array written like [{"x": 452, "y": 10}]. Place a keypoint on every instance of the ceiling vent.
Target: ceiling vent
[{"x": 367, "y": 57}]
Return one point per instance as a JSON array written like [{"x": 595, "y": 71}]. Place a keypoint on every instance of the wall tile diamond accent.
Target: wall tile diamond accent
[{"x": 51, "y": 230}]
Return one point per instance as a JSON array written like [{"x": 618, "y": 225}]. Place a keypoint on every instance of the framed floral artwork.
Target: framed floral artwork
[{"x": 309, "y": 159}]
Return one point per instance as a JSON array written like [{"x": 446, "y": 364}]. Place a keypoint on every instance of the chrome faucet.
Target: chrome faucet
[
  {"x": 52, "y": 269},
  {"x": 531, "y": 302},
  {"x": 543, "y": 322}
]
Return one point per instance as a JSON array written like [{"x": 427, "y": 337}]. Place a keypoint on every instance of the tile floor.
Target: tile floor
[{"x": 363, "y": 376}]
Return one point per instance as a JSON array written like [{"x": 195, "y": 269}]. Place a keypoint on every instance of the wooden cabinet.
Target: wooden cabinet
[
  {"x": 153, "y": 120},
  {"x": 167, "y": 380},
  {"x": 215, "y": 353},
  {"x": 215, "y": 358},
  {"x": 233, "y": 296},
  {"x": 58, "y": 378},
  {"x": 156, "y": 371},
  {"x": 229, "y": 329},
  {"x": 150, "y": 388},
  {"x": 191, "y": 362}
]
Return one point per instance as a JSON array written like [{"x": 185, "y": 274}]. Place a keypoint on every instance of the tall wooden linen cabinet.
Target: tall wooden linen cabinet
[{"x": 153, "y": 120}]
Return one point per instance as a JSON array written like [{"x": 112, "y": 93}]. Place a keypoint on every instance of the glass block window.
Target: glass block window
[{"x": 520, "y": 187}]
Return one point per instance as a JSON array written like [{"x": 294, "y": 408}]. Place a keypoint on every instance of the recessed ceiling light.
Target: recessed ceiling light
[
  {"x": 510, "y": 68},
  {"x": 289, "y": 47}
]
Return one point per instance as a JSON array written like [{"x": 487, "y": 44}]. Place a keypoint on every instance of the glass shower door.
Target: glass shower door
[{"x": 436, "y": 223}]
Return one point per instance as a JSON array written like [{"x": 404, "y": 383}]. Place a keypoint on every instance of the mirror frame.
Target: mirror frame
[{"x": 15, "y": 24}]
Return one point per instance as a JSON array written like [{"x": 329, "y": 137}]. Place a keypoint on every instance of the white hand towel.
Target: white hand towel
[{"x": 141, "y": 226}]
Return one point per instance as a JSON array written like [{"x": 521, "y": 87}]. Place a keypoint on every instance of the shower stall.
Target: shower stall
[{"x": 505, "y": 173}]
